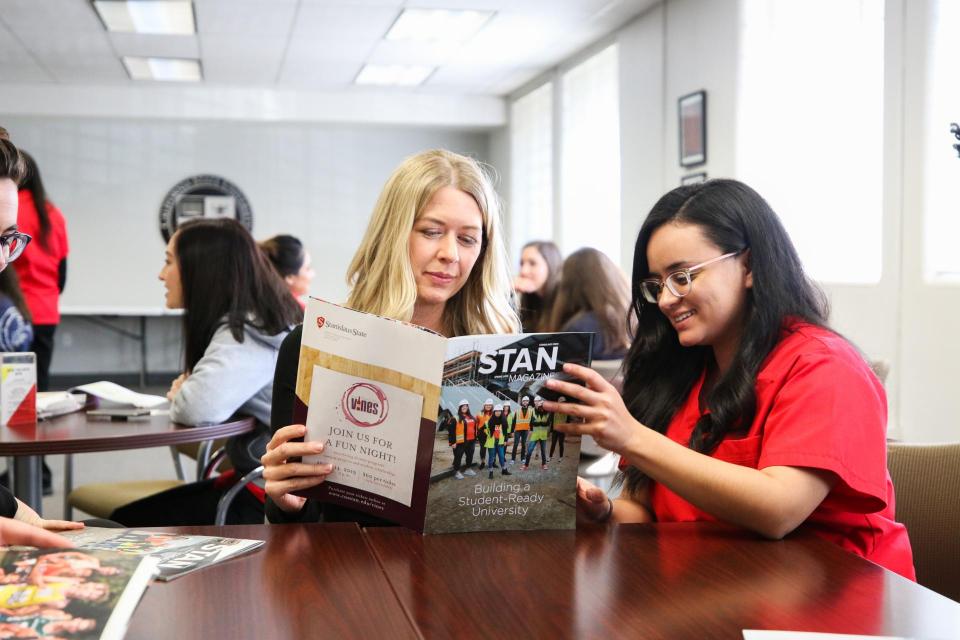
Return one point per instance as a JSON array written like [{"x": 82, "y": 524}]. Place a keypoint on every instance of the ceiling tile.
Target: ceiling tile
[
  {"x": 246, "y": 17},
  {"x": 49, "y": 16},
  {"x": 318, "y": 75},
  {"x": 241, "y": 59}
]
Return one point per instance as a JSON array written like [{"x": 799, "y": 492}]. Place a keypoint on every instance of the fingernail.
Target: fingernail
[
  {"x": 551, "y": 383},
  {"x": 318, "y": 447},
  {"x": 329, "y": 468}
]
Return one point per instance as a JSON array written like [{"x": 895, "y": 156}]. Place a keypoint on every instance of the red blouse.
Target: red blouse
[
  {"x": 818, "y": 406},
  {"x": 39, "y": 268}
]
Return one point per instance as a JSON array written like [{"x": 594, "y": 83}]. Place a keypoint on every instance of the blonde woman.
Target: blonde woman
[{"x": 433, "y": 255}]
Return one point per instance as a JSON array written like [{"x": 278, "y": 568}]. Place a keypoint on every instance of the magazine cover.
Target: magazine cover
[
  {"x": 69, "y": 593},
  {"x": 372, "y": 389},
  {"x": 176, "y": 554},
  {"x": 498, "y": 463}
]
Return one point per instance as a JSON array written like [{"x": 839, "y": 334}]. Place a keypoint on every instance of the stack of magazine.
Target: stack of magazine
[
  {"x": 69, "y": 593},
  {"x": 176, "y": 554}
]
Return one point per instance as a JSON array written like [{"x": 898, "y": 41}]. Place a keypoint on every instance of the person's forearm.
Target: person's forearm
[
  {"x": 627, "y": 511},
  {"x": 771, "y": 502}
]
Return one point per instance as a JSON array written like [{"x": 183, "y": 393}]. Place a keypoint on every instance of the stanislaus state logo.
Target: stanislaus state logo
[
  {"x": 320, "y": 322},
  {"x": 364, "y": 405}
]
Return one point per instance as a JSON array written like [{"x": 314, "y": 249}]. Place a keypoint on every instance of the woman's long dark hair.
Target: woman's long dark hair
[
  {"x": 592, "y": 283},
  {"x": 226, "y": 278},
  {"x": 10, "y": 286},
  {"x": 659, "y": 372},
  {"x": 33, "y": 183},
  {"x": 535, "y": 307},
  {"x": 285, "y": 253}
]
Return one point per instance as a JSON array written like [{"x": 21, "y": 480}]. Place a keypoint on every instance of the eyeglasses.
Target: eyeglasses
[
  {"x": 680, "y": 283},
  {"x": 12, "y": 244}
]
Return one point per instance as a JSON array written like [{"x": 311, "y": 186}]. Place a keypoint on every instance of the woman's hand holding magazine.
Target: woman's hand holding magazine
[{"x": 283, "y": 477}]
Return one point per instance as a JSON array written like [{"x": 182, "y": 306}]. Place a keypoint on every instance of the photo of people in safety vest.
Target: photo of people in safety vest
[{"x": 498, "y": 463}]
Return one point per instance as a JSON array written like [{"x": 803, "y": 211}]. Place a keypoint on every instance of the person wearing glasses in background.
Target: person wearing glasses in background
[
  {"x": 19, "y": 524},
  {"x": 739, "y": 403}
]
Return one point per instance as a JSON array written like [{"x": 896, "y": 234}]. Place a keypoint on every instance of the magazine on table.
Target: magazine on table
[
  {"x": 177, "y": 554},
  {"x": 69, "y": 593},
  {"x": 437, "y": 434}
]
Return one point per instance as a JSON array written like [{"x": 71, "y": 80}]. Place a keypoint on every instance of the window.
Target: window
[
  {"x": 941, "y": 222},
  {"x": 531, "y": 162},
  {"x": 590, "y": 156},
  {"x": 810, "y": 128}
]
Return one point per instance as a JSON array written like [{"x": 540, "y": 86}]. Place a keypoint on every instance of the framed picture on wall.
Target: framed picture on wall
[
  {"x": 693, "y": 178},
  {"x": 692, "y": 112}
]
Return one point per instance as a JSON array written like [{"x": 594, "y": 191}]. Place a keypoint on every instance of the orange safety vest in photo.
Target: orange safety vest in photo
[
  {"x": 466, "y": 429},
  {"x": 523, "y": 420}
]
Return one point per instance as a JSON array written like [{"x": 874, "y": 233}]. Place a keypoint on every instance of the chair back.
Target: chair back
[{"x": 926, "y": 478}]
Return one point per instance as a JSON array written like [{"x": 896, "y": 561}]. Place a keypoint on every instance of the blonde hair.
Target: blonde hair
[{"x": 380, "y": 275}]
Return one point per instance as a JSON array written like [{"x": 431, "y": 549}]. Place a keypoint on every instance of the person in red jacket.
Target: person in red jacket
[
  {"x": 739, "y": 404},
  {"x": 43, "y": 268}
]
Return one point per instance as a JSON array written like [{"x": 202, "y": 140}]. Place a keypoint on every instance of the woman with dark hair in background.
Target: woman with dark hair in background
[
  {"x": 237, "y": 311},
  {"x": 292, "y": 262},
  {"x": 31, "y": 529},
  {"x": 43, "y": 269},
  {"x": 16, "y": 332},
  {"x": 739, "y": 404},
  {"x": 593, "y": 296},
  {"x": 540, "y": 264}
]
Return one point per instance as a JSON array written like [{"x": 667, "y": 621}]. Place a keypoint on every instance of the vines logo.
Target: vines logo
[
  {"x": 364, "y": 404},
  {"x": 203, "y": 196},
  {"x": 320, "y": 322}
]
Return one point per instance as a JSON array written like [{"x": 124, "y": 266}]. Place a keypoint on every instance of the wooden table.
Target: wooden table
[
  {"x": 637, "y": 581},
  {"x": 308, "y": 581},
  {"x": 77, "y": 433}
]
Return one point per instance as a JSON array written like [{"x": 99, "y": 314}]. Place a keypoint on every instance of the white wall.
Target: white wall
[
  {"x": 681, "y": 46},
  {"x": 109, "y": 176}
]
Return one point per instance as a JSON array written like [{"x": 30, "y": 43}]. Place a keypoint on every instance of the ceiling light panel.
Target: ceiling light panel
[
  {"x": 147, "y": 16},
  {"x": 437, "y": 25},
  {"x": 163, "y": 69},
  {"x": 397, "y": 75}
]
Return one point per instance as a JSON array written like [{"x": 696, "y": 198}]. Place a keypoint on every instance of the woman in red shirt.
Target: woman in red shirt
[
  {"x": 43, "y": 268},
  {"x": 739, "y": 404}
]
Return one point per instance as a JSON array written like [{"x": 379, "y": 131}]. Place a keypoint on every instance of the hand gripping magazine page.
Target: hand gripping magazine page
[
  {"x": 368, "y": 388},
  {"x": 438, "y": 435}
]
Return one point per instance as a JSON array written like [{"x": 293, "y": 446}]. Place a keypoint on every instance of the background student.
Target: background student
[
  {"x": 292, "y": 262},
  {"x": 237, "y": 311},
  {"x": 43, "y": 269},
  {"x": 16, "y": 331},
  {"x": 593, "y": 296},
  {"x": 433, "y": 255},
  {"x": 739, "y": 403},
  {"x": 540, "y": 264}
]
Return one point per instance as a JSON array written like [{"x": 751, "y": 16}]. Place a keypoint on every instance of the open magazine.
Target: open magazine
[
  {"x": 69, "y": 593},
  {"x": 176, "y": 554},
  {"x": 436, "y": 434}
]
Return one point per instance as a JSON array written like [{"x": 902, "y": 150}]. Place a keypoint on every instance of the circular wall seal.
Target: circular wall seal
[
  {"x": 364, "y": 404},
  {"x": 203, "y": 196}
]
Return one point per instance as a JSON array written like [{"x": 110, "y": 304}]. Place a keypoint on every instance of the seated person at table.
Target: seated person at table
[
  {"x": 292, "y": 262},
  {"x": 536, "y": 284},
  {"x": 237, "y": 311},
  {"x": 739, "y": 403},
  {"x": 432, "y": 255},
  {"x": 19, "y": 524},
  {"x": 16, "y": 330},
  {"x": 593, "y": 296}
]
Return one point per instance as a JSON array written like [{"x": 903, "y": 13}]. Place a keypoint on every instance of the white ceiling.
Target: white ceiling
[{"x": 316, "y": 45}]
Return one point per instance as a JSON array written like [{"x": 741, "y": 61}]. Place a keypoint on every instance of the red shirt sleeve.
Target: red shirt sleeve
[{"x": 831, "y": 413}]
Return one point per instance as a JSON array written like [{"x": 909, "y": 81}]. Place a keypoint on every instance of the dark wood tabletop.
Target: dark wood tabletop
[
  {"x": 691, "y": 580},
  {"x": 307, "y": 581},
  {"x": 78, "y": 433}
]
